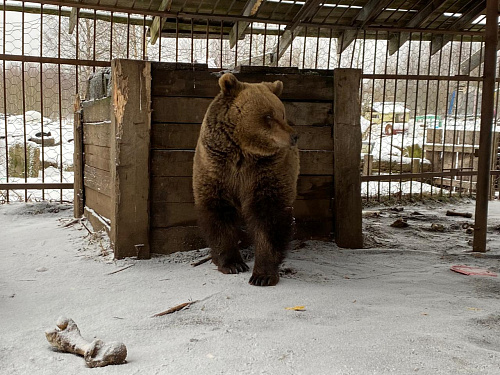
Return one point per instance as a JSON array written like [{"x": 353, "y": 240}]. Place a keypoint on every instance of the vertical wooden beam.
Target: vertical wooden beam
[
  {"x": 397, "y": 40},
  {"x": 78, "y": 199},
  {"x": 369, "y": 11},
  {"x": 485, "y": 134},
  {"x": 240, "y": 27},
  {"x": 347, "y": 158},
  {"x": 158, "y": 22},
  {"x": 130, "y": 155}
]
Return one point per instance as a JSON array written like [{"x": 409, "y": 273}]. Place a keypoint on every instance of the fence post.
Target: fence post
[
  {"x": 78, "y": 199},
  {"x": 130, "y": 156},
  {"x": 347, "y": 158},
  {"x": 367, "y": 165}
]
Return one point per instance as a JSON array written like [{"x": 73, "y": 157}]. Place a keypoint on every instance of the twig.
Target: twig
[
  {"x": 201, "y": 261},
  {"x": 121, "y": 269},
  {"x": 174, "y": 309},
  {"x": 90, "y": 232},
  {"x": 72, "y": 222}
]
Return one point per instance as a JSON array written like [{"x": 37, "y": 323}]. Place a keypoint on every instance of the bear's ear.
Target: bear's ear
[
  {"x": 276, "y": 87},
  {"x": 230, "y": 85}
]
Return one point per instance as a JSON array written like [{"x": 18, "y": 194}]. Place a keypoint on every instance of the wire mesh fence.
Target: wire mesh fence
[{"x": 420, "y": 92}]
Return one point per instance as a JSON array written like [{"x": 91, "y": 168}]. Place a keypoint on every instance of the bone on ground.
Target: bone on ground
[{"x": 66, "y": 337}]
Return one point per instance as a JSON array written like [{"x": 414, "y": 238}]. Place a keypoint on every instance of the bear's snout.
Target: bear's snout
[{"x": 294, "y": 138}]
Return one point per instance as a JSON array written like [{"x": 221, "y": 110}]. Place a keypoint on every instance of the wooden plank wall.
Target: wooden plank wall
[
  {"x": 96, "y": 116},
  {"x": 180, "y": 97}
]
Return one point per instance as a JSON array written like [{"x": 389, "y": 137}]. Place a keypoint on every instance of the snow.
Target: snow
[
  {"x": 392, "y": 308},
  {"x": 57, "y": 158}
]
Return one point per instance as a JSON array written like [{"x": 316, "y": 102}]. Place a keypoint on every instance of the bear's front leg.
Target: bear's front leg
[
  {"x": 218, "y": 220},
  {"x": 272, "y": 229}
]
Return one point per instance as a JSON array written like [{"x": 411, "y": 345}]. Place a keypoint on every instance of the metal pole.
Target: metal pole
[{"x": 485, "y": 134}]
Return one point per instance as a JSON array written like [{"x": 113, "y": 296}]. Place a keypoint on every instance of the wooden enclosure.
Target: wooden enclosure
[
  {"x": 457, "y": 150},
  {"x": 138, "y": 148}
]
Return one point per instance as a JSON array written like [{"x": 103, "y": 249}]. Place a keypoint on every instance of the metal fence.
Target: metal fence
[{"x": 421, "y": 92}]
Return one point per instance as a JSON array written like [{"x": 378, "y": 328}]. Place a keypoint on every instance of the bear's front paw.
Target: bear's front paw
[
  {"x": 264, "y": 280},
  {"x": 235, "y": 267}
]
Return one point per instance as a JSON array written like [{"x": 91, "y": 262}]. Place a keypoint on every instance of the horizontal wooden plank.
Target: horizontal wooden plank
[
  {"x": 165, "y": 214},
  {"x": 174, "y": 239},
  {"x": 300, "y": 86},
  {"x": 185, "y": 136},
  {"x": 172, "y": 214},
  {"x": 171, "y": 240},
  {"x": 318, "y": 163},
  {"x": 187, "y": 110},
  {"x": 180, "y": 189},
  {"x": 99, "y": 202},
  {"x": 97, "y": 222},
  {"x": 97, "y": 134},
  {"x": 312, "y": 209},
  {"x": 99, "y": 110},
  {"x": 172, "y": 163},
  {"x": 174, "y": 136},
  {"x": 314, "y": 187},
  {"x": 314, "y": 229},
  {"x": 179, "y": 163},
  {"x": 97, "y": 179},
  {"x": 171, "y": 189},
  {"x": 98, "y": 157}
]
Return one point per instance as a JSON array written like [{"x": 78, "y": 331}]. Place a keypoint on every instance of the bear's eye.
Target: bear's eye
[{"x": 269, "y": 117}]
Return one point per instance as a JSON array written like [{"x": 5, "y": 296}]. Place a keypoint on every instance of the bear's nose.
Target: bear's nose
[{"x": 293, "y": 139}]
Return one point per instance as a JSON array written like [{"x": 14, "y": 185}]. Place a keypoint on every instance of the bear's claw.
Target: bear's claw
[
  {"x": 264, "y": 280},
  {"x": 233, "y": 268}
]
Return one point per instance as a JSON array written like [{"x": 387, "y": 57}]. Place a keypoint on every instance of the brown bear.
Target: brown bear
[{"x": 245, "y": 170}]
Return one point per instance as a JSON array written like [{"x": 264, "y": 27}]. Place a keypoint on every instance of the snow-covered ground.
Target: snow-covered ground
[
  {"x": 392, "y": 308},
  {"x": 57, "y": 155}
]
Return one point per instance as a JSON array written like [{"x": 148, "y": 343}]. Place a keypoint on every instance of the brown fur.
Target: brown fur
[{"x": 245, "y": 172}]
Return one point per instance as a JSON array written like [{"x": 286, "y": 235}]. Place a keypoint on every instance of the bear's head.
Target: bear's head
[{"x": 258, "y": 114}]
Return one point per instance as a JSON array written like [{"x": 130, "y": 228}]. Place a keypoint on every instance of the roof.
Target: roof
[
  {"x": 342, "y": 19},
  {"x": 389, "y": 107}
]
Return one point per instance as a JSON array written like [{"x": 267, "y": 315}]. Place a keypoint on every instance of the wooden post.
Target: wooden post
[
  {"x": 367, "y": 164},
  {"x": 485, "y": 134},
  {"x": 347, "y": 158},
  {"x": 78, "y": 199},
  {"x": 415, "y": 165},
  {"x": 130, "y": 156}
]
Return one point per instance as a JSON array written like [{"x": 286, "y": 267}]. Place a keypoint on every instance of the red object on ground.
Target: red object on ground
[{"x": 476, "y": 271}]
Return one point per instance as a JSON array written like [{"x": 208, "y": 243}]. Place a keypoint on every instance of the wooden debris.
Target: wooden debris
[
  {"x": 455, "y": 213},
  {"x": 121, "y": 269},
  {"x": 400, "y": 223},
  {"x": 180, "y": 307},
  {"x": 296, "y": 308},
  {"x": 201, "y": 261},
  {"x": 371, "y": 214}
]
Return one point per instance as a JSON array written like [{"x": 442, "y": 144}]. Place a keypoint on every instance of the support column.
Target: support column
[
  {"x": 347, "y": 158},
  {"x": 130, "y": 157},
  {"x": 485, "y": 134}
]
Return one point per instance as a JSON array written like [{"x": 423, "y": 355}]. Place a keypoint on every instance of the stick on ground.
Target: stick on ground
[
  {"x": 174, "y": 309},
  {"x": 462, "y": 214},
  {"x": 201, "y": 261}
]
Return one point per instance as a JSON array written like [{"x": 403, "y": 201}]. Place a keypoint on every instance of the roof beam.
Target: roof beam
[
  {"x": 397, "y": 40},
  {"x": 158, "y": 22},
  {"x": 303, "y": 15},
  {"x": 439, "y": 41},
  {"x": 367, "y": 13},
  {"x": 240, "y": 27},
  {"x": 73, "y": 19},
  {"x": 474, "y": 61}
]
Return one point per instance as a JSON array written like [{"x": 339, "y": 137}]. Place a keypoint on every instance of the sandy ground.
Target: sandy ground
[{"x": 393, "y": 308}]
